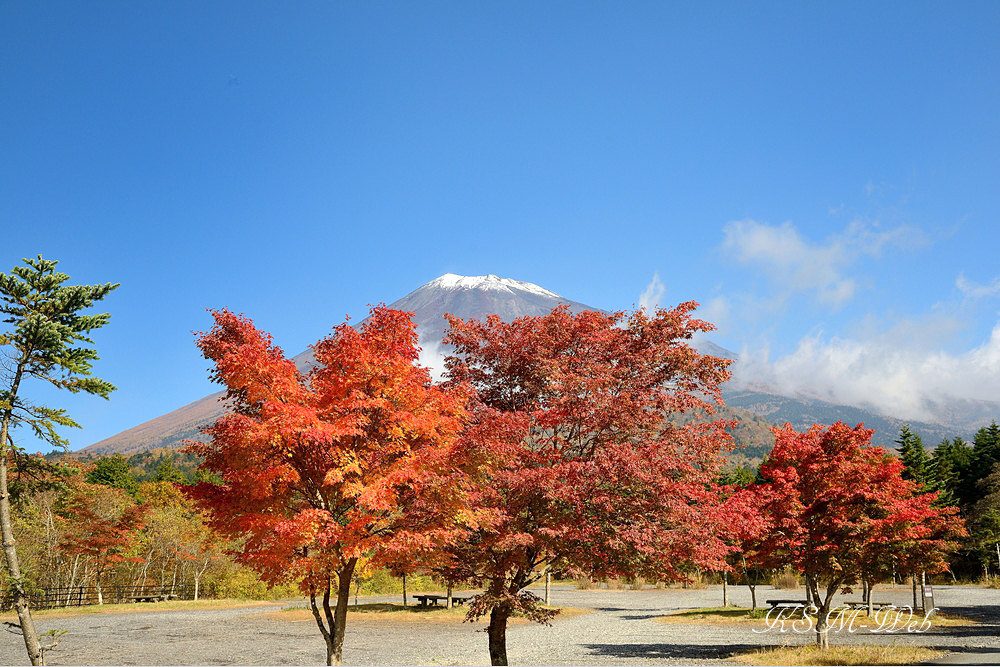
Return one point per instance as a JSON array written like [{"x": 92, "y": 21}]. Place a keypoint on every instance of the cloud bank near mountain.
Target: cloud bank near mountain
[
  {"x": 891, "y": 373},
  {"x": 910, "y": 366}
]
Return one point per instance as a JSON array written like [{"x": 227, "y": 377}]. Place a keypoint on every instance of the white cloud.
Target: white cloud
[
  {"x": 653, "y": 294},
  {"x": 716, "y": 312},
  {"x": 432, "y": 356},
  {"x": 899, "y": 372},
  {"x": 973, "y": 290},
  {"x": 795, "y": 264}
]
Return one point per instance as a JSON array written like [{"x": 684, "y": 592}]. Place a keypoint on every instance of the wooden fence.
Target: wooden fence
[{"x": 78, "y": 596}]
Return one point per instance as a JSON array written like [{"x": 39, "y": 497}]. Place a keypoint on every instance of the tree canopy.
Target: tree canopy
[
  {"x": 839, "y": 507},
  {"x": 48, "y": 342},
  {"x": 579, "y": 467},
  {"x": 352, "y": 462}
]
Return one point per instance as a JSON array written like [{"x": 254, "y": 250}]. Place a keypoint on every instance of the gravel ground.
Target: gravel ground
[{"x": 620, "y": 630}]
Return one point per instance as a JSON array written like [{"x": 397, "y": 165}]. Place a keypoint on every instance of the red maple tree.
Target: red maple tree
[
  {"x": 579, "y": 467},
  {"x": 99, "y": 530},
  {"x": 352, "y": 460},
  {"x": 838, "y": 507}
]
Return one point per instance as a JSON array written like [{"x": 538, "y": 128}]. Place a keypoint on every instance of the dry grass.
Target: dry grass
[
  {"x": 713, "y": 616},
  {"x": 637, "y": 583},
  {"x": 840, "y": 655},
  {"x": 134, "y": 608},
  {"x": 397, "y": 612},
  {"x": 787, "y": 579},
  {"x": 743, "y": 616}
]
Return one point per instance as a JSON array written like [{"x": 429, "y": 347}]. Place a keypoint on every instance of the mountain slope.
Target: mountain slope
[
  {"x": 803, "y": 413},
  {"x": 479, "y": 296},
  {"x": 464, "y": 296}
]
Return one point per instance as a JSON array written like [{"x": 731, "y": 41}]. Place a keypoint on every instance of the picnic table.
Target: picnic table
[{"x": 433, "y": 600}]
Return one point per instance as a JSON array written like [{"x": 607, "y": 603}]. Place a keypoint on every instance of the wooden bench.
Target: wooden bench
[
  {"x": 433, "y": 600},
  {"x": 853, "y": 604},
  {"x": 154, "y": 597},
  {"x": 787, "y": 604}
]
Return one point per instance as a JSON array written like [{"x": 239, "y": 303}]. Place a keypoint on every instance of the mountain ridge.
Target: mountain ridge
[{"x": 479, "y": 296}]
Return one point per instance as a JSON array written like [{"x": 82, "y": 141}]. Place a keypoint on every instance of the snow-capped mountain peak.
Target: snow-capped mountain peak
[{"x": 488, "y": 282}]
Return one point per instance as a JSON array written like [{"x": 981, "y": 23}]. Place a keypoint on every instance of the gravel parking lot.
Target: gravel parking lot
[{"x": 619, "y": 629}]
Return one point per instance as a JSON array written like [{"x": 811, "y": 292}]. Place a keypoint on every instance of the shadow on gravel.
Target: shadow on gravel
[
  {"x": 966, "y": 655},
  {"x": 982, "y": 613},
  {"x": 650, "y": 613},
  {"x": 670, "y": 651}
]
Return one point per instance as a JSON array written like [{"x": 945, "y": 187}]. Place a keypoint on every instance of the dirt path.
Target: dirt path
[{"x": 620, "y": 629}]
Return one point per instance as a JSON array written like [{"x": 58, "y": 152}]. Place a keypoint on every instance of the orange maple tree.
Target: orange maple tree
[
  {"x": 352, "y": 460},
  {"x": 579, "y": 467}
]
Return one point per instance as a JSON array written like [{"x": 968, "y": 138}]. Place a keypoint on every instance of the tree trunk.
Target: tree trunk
[
  {"x": 498, "y": 635},
  {"x": 753, "y": 596},
  {"x": 340, "y": 615},
  {"x": 197, "y": 577},
  {"x": 823, "y": 613},
  {"x": 404, "y": 589},
  {"x": 72, "y": 576},
  {"x": 913, "y": 578},
  {"x": 548, "y": 584},
  {"x": 822, "y": 628},
  {"x": 869, "y": 601},
  {"x": 725, "y": 590},
  {"x": 17, "y": 584},
  {"x": 332, "y": 621},
  {"x": 448, "y": 596}
]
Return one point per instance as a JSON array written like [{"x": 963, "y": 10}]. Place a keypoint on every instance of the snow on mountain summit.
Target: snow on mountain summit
[{"x": 488, "y": 282}]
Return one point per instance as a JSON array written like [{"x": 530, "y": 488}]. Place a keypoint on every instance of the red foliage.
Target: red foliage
[
  {"x": 105, "y": 537},
  {"x": 579, "y": 467},
  {"x": 352, "y": 460},
  {"x": 839, "y": 507}
]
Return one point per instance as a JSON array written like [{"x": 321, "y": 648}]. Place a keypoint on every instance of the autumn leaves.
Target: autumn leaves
[{"x": 546, "y": 448}]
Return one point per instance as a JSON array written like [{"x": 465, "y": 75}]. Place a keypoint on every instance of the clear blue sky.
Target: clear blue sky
[{"x": 823, "y": 177}]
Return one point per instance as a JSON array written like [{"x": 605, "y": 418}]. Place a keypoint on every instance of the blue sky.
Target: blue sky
[{"x": 822, "y": 177}]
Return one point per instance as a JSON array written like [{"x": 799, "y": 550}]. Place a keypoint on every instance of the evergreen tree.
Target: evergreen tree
[
  {"x": 954, "y": 462},
  {"x": 986, "y": 449},
  {"x": 41, "y": 344},
  {"x": 116, "y": 473},
  {"x": 911, "y": 452},
  {"x": 984, "y": 518},
  {"x": 943, "y": 474},
  {"x": 167, "y": 471}
]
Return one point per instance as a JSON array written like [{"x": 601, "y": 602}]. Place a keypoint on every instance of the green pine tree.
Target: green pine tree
[
  {"x": 44, "y": 343},
  {"x": 986, "y": 449},
  {"x": 116, "y": 473},
  {"x": 911, "y": 451},
  {"x": 167, "y": 471}
]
